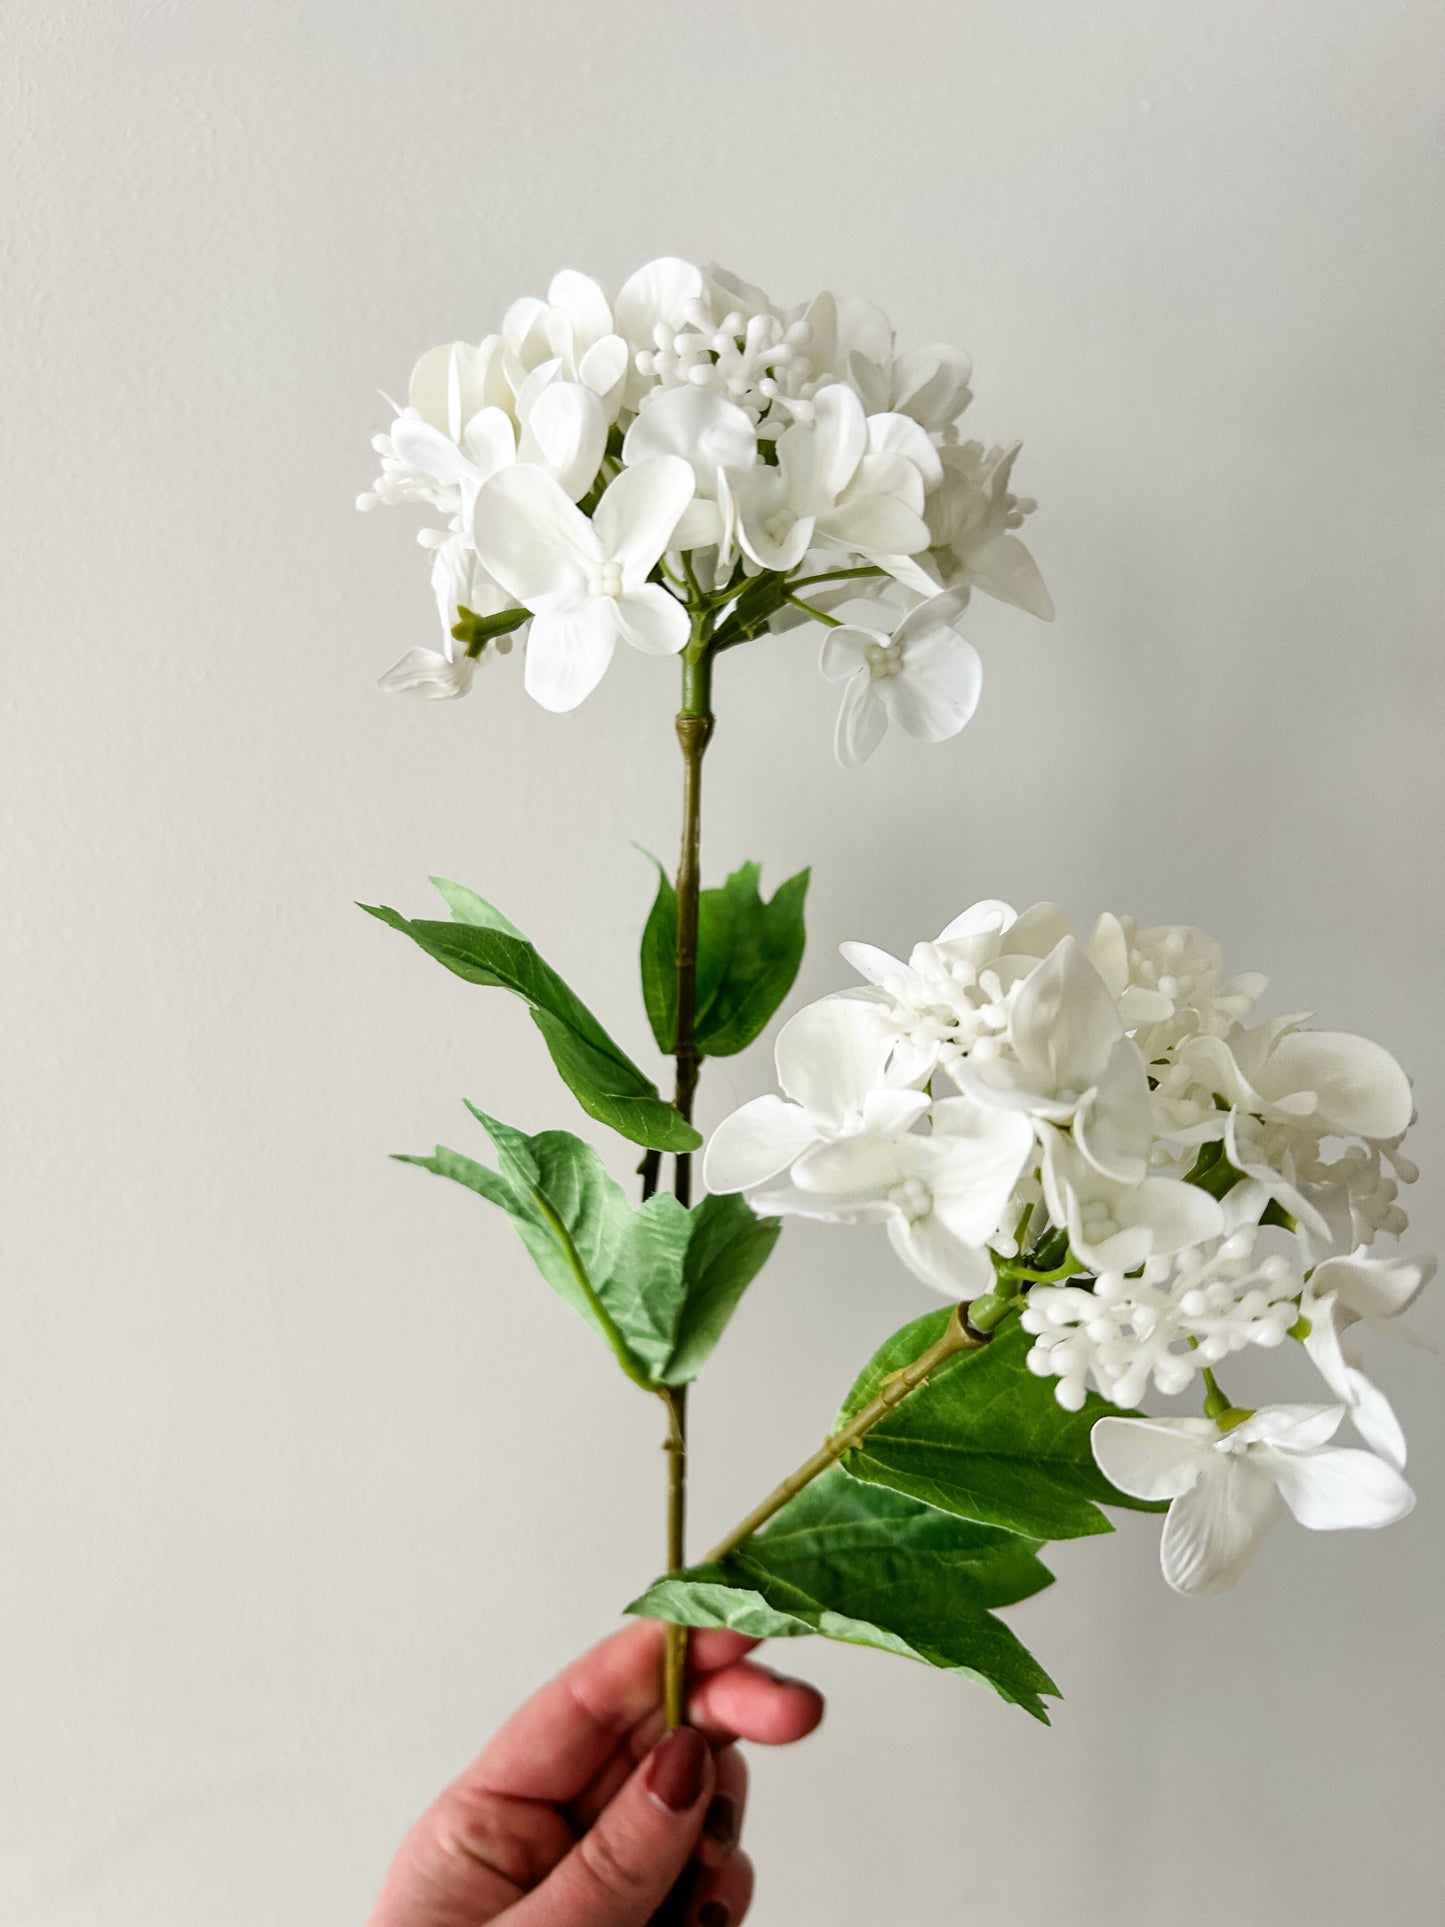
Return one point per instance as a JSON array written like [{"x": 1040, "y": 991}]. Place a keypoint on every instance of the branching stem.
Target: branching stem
[
  {"x": 958, "y": 1336},
  {"x": 694, "y": 732}
]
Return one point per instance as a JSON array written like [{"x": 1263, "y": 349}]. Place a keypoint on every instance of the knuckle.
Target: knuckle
[{"x": 615, "y": 1867}]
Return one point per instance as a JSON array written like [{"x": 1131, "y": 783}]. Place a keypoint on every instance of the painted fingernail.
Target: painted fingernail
[
  {"x": 714, "y": 1914},
  {"x": 722, "y": 1820},
  {"x": 674, "y": 1773}
]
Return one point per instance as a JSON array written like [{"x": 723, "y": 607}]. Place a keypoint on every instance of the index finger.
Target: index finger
[{"x": 558, "y": 1742}]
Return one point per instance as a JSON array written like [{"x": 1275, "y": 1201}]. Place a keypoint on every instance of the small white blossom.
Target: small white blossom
[
  {"x": 585, "y": 579},
  {"x": 1228, "y": 1488},
  {"x": 923, "y": 676}
]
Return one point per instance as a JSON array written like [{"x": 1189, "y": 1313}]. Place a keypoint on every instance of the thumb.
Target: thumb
[{"x": 623, "y": 1868}]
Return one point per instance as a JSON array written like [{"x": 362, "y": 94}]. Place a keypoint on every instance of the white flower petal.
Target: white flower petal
[
  {"x": 530, "y": 537},
  {"x": 568, "y": 651},
  {"x": 1212, "y": 1530},
  {"x": 1359, "y": 1085},
  {"x": 638, "y": 512},
  {"x": 845, "y": 651},
  {"x": 756, "y": 1143},
  {"x": 831, "y": 1055},
  {"x": 1338, "y": 1487},
  {"x": 657, "y": 292},
  {"x": 862, "y": 721},
  {"x": 1004, "y": 569},
  {"x": 933, "y": 1252},
  {"x": 937, "y": 691},
  {"x": 566, "y": 432},
  {"x": 697, "y": 425},
  {"x": 652, "y": 620},
  {"x": 428, "y": 673},
  {"x": 1153, "y": 1458}
]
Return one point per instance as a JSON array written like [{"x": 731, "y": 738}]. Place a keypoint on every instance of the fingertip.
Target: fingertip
[
  {"x": 757, "y": 1704},
  {"x": 711, "y": 1649}
]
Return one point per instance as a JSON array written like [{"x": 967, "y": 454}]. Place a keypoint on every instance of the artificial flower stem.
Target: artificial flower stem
[
  {"x": 958, "y": 1336},
  {"x": 674, "y": 1671},
  {"x": 694, "y": 730}
]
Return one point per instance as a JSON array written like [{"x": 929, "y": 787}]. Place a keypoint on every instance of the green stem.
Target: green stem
[
  {"x": 958, "y": 1336},
  {"x": 818, "y": 615},
  {"x": 694, "y": 731}
]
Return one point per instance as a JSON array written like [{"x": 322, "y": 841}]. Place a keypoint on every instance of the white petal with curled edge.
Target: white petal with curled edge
[
  {"x": 1339, "y": 1487},
  {"x": 862, "y": 721},
  {"x": 874, "y": 524},
  {"x": 490, "y": 441},
  {"x": 566, "y": 432},
  {"x": 898, "y": 434},
  {"x": 1374, "y": 1288},
  {"x": 1373, "y": 1417},
  {"x": 568, "y": 651},
  {"x": 428, "y": 673},
  {"x": 980, "y": 919},
  {"x": 423, "y": 447},
  {"x": 530, "y": 537},
  {"x": 1213, "y": 1529},
  {"x": 892, "y": 1113},
  {"x": 756, "y": 1143},
  {"x": 584, "y": 303},
  {"x": 652, "y": 620},
  {"x": 1359, "y": 1085},
  {"x": 831, "y": 1055},
  {"x": 1153, "y": 1458},
  {"x": 1004, "y": 569},
  {"x": 840, "y": 437},
  {"x": 1114, "y": 1129},
  {"x": 845, "y": 651},
  {"x": 876, "y": 965},
  {"x": 603, "y": 369},
  {"x": 657, "y": 292},
  {"x": 704, "y": 429},
  {"x": 1294, "y": 1428},
  {"x": 638, "y": 512}
]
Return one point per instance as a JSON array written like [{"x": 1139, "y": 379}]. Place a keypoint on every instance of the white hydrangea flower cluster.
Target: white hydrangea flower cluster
[
  {"x": 689, "y": 452},
  {"x": 1093, "y": 1134}
]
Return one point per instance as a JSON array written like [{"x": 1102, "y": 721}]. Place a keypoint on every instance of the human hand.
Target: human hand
[{"x": 574, "y": 1815}]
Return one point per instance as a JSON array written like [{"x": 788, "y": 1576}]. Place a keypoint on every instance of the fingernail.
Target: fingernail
[
  {"x": 714, "y": 1914},
  {"x": 674, "y": 1773},
  {"x": 721, "y": 1823}
]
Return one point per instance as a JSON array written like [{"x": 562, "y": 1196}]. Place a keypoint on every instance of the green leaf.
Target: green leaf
[
  {"x": 873, "y": 1568},
  {"x": 728, "y": 1245},
  {"x": 748, "y": 953},
  {"x": 482, "y": 947},
  {"x": 467, "y": 907},
  {"x": 984, "y": 1439},
  {"x": 658, "y": 1282}
]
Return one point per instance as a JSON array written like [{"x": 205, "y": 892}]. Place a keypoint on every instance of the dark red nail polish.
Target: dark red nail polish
[
  {"x": 714, "y": 1914},
  {"x": 722, "y": 1820},
  {"x": 674, "y": 1773}
]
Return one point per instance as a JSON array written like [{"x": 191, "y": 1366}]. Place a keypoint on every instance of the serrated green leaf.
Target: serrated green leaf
[
  {"x": 657, "y": 1282},
  {"x": 873, "y": 1568},
  {"x": 484, "y": 948},
  {"x": 748, "y": 953},
  {"x": 984, "y": 1439},
  {"x": 727, "y": 1247}
]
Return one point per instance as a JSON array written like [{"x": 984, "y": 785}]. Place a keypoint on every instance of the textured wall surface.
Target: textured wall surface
[{"x": 303, "y": 1477}]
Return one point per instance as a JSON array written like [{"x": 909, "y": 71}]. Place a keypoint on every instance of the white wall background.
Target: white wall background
[{"x": 305, "y": 1478}]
